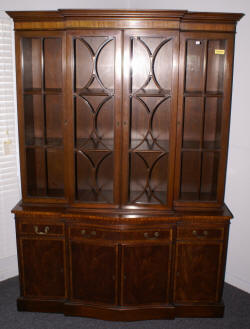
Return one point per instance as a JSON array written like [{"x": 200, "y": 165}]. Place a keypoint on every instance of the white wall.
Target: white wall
[{"x": 238, "y": 176}]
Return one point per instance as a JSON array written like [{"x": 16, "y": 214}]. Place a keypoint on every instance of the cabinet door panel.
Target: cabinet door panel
[
  {"x": 204, "y": 104},
  {"x": 198, "y": 271},
  {"x": 150, "y": 100},
  {"x": 42, "y": 267},
  {"x": 145, "y": 274},
  {"x": 41, "y": 75},
  {"x": 93, "y": 272},
  {"x": 94, "y": 82}
]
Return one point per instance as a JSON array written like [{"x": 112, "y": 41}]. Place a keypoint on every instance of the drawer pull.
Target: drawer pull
[
  {"x": 156, "y": 236},
  {"x": 46, "y": 230},
  {"x": 205, "y": 233}
]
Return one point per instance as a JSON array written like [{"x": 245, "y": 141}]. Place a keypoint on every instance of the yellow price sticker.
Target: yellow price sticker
[{"x": 219, "y": 51}]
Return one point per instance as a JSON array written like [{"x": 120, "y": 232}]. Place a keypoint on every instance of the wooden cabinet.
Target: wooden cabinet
[{"x": 123, "y": 129}]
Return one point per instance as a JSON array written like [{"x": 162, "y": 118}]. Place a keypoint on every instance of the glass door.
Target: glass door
[
  {"x": 150, "y": 98},
  {"x": 95, "y": 83},
  {"x": 41, "y": 111},
  {"x": 203, "y": 118}
]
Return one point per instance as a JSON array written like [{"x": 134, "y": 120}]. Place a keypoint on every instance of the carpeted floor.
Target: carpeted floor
[{"x": 237, "y": 315}]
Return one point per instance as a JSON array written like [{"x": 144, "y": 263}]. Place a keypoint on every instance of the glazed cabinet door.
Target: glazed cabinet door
[
  {"x": 150, "y": 102},
  {"x": 205, "y": 79},
  {"x": 41, "y": 247},
  {"x": 199, "y": 267},
  {"x": 40, "y": 85},
  {"x": 93, "y": 268},
  {"x": 145, "y": 273},
  {"x": 94, "y": 91}
]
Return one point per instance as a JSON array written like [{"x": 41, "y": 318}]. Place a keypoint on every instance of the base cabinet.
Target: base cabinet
[{"x": 119, "y": 272}]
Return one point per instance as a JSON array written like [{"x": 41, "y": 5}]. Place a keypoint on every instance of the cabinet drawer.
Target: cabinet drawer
[
  {"x": 42, "y": 229},
  {"x": 148, "y": 235},
  {"x": 195, "y": 232},
  {"x": 85, "y": 232}
]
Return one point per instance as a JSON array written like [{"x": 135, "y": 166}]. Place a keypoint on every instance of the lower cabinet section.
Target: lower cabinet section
[{"x": 122, "y": 272}]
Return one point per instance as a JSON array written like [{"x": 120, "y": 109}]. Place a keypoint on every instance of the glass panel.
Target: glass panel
[
  {"x": 210, "y": 163},
  {"x": 43, "y": 115},
  {"x": 33, "y": 120},
  {"x": 55, "y": 170},
  {"x": 32, "y": 64},
  {"x": 202, "y": 119},
  {"x": 190, "y": 175},
  {"x": 94, "y": 118},
  {"x": 94, "y": 172},
  {"x": 150, "y": 108},
  {"x": 54, "y": 134},
  {"x": 53, "y": 63},
  {"x": 36, "y": 177},
  {"x": 195, "y": 52},
  {"x": 215, "y": 65},
  {"x": 212, "y": 125},
  {"x": 192, "y": 126},
  {"x": 94, "y": 64}
]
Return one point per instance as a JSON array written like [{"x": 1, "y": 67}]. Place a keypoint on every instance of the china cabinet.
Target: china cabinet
[{"x": 123, "y": 129}]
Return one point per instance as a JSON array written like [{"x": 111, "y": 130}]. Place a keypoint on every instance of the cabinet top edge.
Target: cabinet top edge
[{"x": 78, "y": 14}]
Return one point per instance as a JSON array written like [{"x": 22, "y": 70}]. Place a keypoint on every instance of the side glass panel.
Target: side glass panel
[
  {"x": 94, "y": 92},
  {"x": 202, "y": 116},
  {"x": 43, "y": 115},
  {"x": 150, "y": 92}
]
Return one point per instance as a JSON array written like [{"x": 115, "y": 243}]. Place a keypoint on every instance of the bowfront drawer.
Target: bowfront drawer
[
  {"x": 42, "y": 229},
  {"x": 85, "y": 232},
  {"x": 198, "y": 232}
]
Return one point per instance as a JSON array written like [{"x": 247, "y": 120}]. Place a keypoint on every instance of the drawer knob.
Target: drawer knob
[
  {"x": 93, "y": 233},
  {"x": 83, "y": 232},
  {"x": 205, "y": 233},
  {"x": 194, "y": 232},
  {"x": 157, "y": 234},
  {"x": 46, "y": 230},
  {"x": 146, "y": 235}
]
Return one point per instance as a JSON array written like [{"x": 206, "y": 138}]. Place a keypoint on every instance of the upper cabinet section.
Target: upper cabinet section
[{"x": 124, "y": 109}]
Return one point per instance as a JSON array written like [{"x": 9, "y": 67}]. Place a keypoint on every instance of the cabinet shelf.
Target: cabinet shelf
[
  {"x": 42, "y": 92},
  {"x": 196, "y": 146},
  {"x": 202, "y": 94},
  {"x": 150, "y": 93},
  {"x": 90, "y": 196},
  {"x": 91, "y": 145},
  {"x": 94, "y": 92},
  {"x": 135, "y": 146},
  {"x": 41, "y": 143}
]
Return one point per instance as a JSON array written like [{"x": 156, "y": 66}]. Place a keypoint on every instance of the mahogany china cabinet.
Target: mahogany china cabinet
[{"x": 123, "y": 128}]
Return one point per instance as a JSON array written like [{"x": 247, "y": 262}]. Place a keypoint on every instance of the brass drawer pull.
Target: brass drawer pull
[
  {"x": 156, "y": 236},
  {"x": 205, "y": 233},
  {"x": 84, "y": 233},
  {"x": 46, "y": 230}
]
